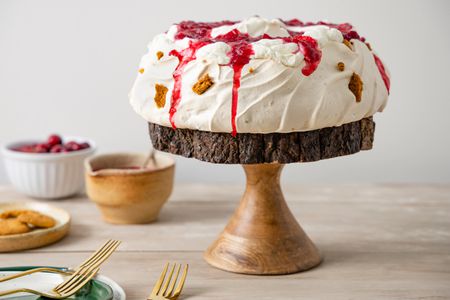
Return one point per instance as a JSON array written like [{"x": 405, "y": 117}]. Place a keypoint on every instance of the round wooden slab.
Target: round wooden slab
[
  {"x": 37, "y": 237},
  {"x": 255, "y": 148}
]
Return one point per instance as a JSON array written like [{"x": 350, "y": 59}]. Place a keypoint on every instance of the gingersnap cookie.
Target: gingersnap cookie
[
  {"x": 13, "y": 226},
  {"x": 40, "y": 224},
  {"x": 14, "y": 213},
  {"x": 36, "y": 219}
]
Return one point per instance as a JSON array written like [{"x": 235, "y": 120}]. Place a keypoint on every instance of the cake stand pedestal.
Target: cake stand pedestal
[{"x": 263, "y": 237}]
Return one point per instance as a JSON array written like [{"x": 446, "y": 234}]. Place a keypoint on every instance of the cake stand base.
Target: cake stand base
[{"x": 263, "y": 237}]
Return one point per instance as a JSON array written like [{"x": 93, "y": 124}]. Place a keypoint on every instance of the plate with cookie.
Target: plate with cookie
[{"x": 30, "y": 225}]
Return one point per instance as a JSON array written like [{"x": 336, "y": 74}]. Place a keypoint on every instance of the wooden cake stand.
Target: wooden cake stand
[{"x": 263, "y": 236}]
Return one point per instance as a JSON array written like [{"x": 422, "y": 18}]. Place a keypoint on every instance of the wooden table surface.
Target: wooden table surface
[{"x": 378, "y": 242}]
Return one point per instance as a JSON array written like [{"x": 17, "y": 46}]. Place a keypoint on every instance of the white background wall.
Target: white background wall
[{"x": 67, "y": 66}]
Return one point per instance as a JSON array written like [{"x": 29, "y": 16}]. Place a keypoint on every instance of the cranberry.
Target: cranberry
[
  {"x": 76, "y": 147},
  {"x": 41, "y": 148},
  {"x": 26, "y": 148},
  {"x": 85, "y": 145},
  {"x": 65, "y": 149},
  {"x": 54, "y": 139},
  {"x": 72, "y": 146},
  {"x": 56, "y": 149},
  {"x": 53, "y": 144}
]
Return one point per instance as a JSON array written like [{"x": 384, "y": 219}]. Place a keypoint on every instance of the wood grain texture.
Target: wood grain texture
[
  {"x": 379, "y": 241},
  {"x": 253, "y": 148},
  {"x": 263, "y": 237}
]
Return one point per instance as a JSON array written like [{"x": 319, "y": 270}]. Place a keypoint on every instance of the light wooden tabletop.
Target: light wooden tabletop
[{"x": 378, "y": 242}]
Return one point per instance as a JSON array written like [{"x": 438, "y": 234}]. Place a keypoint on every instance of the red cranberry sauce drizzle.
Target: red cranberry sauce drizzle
[
  {"x": 310, "y": 50},
  {"x": 384, "y": 75},
  {"x": 198, "y": 30},
  {"x": 348, "y": 33},
  {"x": 241, "y": 51},
  {"x": 184, "y": 56},
  {"x": 345, "y": 28}
]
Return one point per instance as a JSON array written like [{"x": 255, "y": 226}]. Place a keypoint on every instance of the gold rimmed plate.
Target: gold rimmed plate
[{"x": 38, "y": 237}]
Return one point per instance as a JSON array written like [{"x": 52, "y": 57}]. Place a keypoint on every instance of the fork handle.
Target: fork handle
[
  {"x": 9, "y": 292},
  {"x": 16, "y": 291},
  {"x": 36, "y": 270}
]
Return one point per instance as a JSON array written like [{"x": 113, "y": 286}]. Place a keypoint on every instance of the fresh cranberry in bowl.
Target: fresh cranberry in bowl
[
  {"x": 72, "y": 146},
  {"x": 26, "y": 148},
  {"x": 41, "y": 148},
  {"x": 53, "y": 144},
  {"x": 84, "y": 145},
  {"x": 54, "y": 140},
  {"x": 57, "y": 149},
  {"x": 48, "y": 168}
]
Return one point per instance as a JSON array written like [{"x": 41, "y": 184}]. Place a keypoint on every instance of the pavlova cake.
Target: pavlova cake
[{"x": 260, "y": 91}]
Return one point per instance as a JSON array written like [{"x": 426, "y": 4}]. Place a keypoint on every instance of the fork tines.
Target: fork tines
[
  {"x": 89, "y": 267},
  {"x": 106, "y": 249},
  {"x": 81, "y": 280},
  {"x": 165, "y": 286}
]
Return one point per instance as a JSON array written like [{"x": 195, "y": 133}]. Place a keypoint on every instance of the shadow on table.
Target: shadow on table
[
  {"x": 195, "y": 291},
  {"x": 336, "y": 254},
  {"x": 195, "y": 212}
]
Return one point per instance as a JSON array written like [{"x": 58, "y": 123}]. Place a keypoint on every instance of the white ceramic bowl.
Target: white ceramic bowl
[{"x": 47, "y": 175}]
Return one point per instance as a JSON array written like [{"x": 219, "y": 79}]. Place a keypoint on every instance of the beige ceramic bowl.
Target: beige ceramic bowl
[{"x": 129, "y": 196}]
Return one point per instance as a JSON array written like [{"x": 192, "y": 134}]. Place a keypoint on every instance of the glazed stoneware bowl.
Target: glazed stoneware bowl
[
  {"x": 46, "y": 175},
  {"x": 125, "y": 192}
]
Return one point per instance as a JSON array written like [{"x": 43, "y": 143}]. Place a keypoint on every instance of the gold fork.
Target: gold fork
[
  {"x": 166, "y": 292},
  {"x": 95, "y": 260},
  {"x": 69, "y": 287}
]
